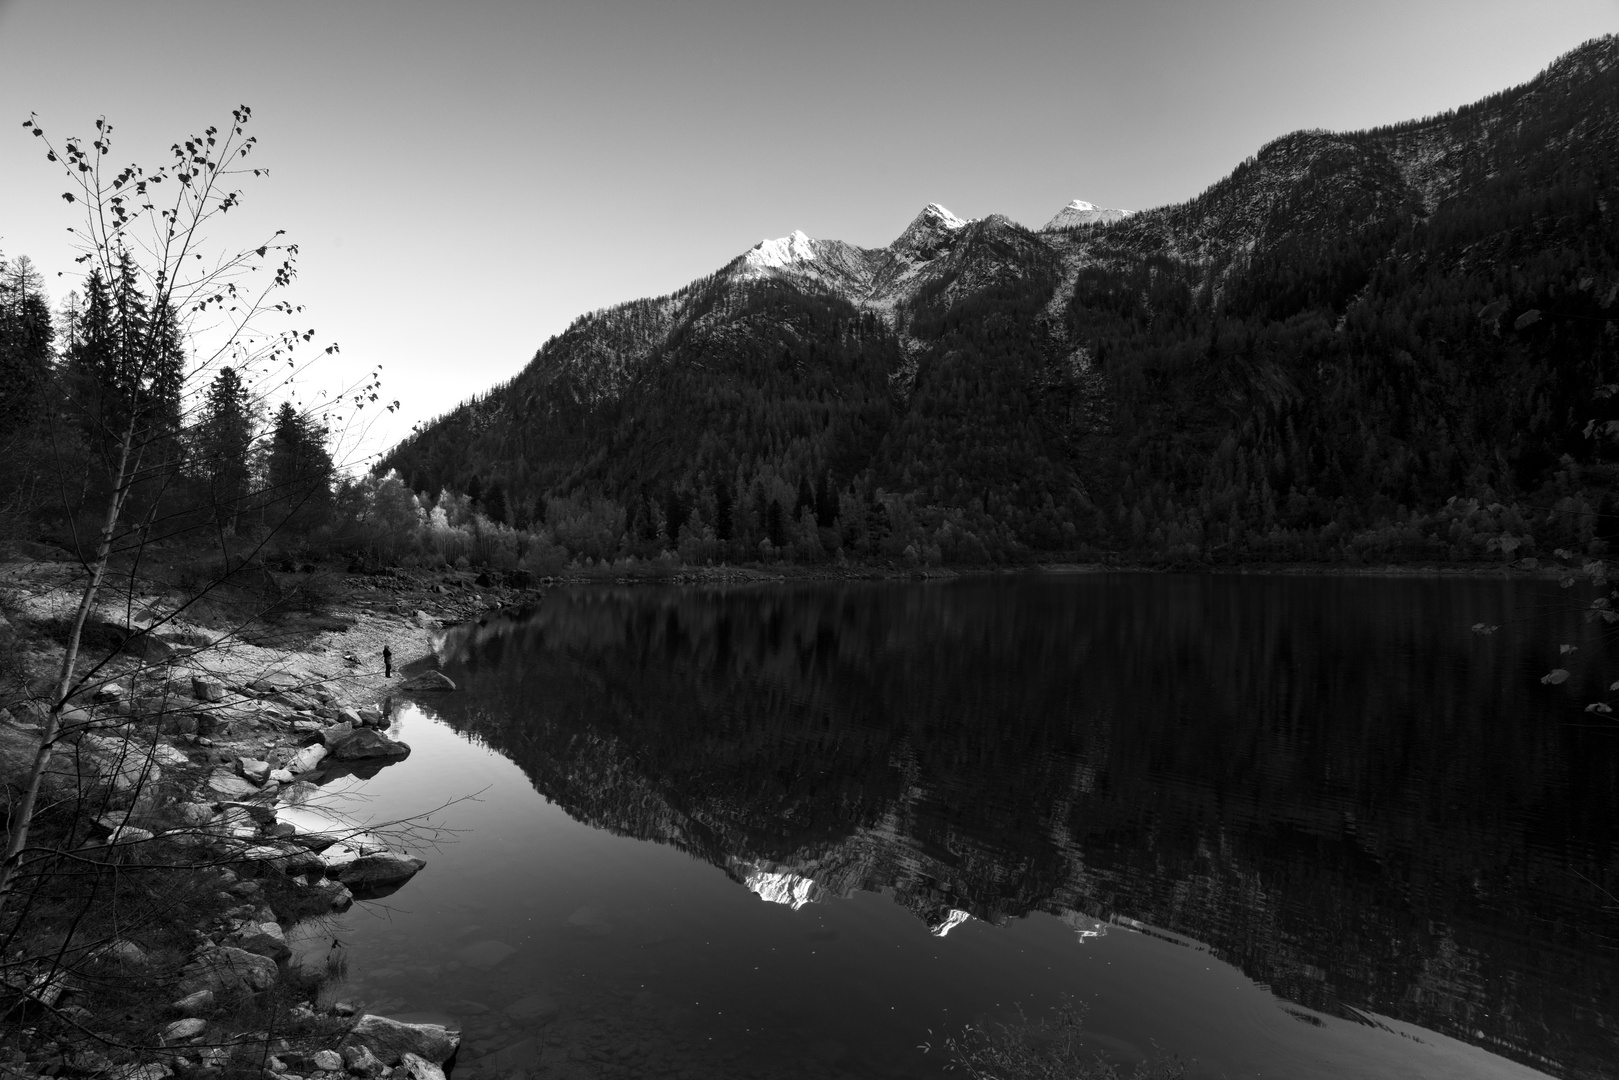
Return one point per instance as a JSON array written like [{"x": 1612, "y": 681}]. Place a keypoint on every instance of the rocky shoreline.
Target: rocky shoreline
[{"x": 204, "y": 755}]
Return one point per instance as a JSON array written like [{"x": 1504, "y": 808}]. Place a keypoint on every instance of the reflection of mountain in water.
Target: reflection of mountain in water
[{"x": 1330, "y": 782}]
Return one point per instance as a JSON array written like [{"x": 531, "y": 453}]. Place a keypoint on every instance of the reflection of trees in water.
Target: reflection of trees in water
[{"x": 1330, "y": 781}]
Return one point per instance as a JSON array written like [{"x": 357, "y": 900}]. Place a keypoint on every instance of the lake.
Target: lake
[{"x": 1274, "y": 825}]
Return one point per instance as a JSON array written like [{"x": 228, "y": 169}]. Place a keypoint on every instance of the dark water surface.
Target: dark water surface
[{"x": 1292, "y": 827}]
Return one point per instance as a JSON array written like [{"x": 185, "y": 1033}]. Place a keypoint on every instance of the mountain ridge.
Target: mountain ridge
[{"x": 1058, "y": 388}]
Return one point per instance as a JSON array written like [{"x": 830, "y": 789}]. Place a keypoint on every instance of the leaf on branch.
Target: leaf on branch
[
  {"x": 1598, "y": 707},
  {"x": 1484, "y": 628},
  {"x": 1555, "y": 677},
  {"x": 1564, "y": 650},
  {"x": 1528, "y": 318},
  {"x": 68, "y": 195}
]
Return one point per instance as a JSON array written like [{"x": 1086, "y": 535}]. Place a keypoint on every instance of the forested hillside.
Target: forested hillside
[{"x": 1392, "y": 343}]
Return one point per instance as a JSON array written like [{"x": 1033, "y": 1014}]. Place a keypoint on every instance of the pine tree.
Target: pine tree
[
  {"x": 494, "y": 502},
  {"x": 299, "y": 469},
  {"x": 223, "y": 441},
  {"x": 26, "y": 336},
  {"x": 722, "y": 510},
  {"x": 775, "y": 524}
]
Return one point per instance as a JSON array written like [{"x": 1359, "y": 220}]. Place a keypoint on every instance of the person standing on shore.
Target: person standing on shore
[{"x": 387, "y": 662}]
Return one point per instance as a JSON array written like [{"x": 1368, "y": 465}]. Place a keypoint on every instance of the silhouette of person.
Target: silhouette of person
[{"x": 387, "y": 662}]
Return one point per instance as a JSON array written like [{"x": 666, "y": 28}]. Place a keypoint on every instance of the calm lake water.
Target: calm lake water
[{"x": 1277, "y": 826}]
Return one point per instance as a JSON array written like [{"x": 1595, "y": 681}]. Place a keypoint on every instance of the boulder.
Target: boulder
[
  {"x": 307, "y": 759},
  {"x": 181, "y": 1030},
  {"x": 193, "y": 813},
  {"x": 370, "y": 716},
  {"x": 332, "y": 737},
  {"x": 391, "y": 1040},
  {"x": 273, "y": 682},
  {"x": 417, "y": 1067},
  {"x": 280, "y": 776},
  {"x": 129, "y": 834},
  {"x": 350, "y": 716},
  {"x": 225, "y": 783},
  {"x": 263, "y": 938},
  {"x": 127, "y": 953},
  {"x": 430, "y": 680},
  {"x": 195, "y": 1004},
  {"x": 206, "y": 689},
  {"x": 254, "y": 769},
  {"x": 379, "y": 871},
  {"x": 337, "y": 858},
  {"x": 360, "y": 1061},
  {"x": 327, "y": 1060},
  {"x": 224, "y": 968},
  {"x": 367, "y": 743}
]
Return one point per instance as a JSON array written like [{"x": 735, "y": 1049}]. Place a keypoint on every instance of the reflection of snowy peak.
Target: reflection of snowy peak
[{"x": 1080, "y": 212}]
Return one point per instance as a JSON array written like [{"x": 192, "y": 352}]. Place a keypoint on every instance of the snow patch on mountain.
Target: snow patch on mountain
[
  {"x": 1080, "y": 212},
  {"x": 784, "y": 252}
]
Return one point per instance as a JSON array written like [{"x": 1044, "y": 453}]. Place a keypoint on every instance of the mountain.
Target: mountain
[
  {"x": 1079, "y": 212},
  {"x": 1386, "y": 343}
]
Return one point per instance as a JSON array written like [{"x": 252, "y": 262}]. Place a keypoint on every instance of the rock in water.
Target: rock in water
[
  {"x": 485, "y": 955},
  {"x": 391, "y": 1040},
  {"x": 379, "y": 870},
  {"x": 419, "y": 1068},
  {"x": 540, "y": 1008},
  {"x": 369, "y": 743},
  {"x": 430, "y": 680},
  {"x": 307, "y": 758}
]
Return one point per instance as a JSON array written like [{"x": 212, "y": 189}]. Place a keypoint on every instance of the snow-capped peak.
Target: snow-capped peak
[
  {"x": 931, "y": 231},
  {"x": 1080, "y": 212},
  {"x": 792, "y": 248},
  {"x": 936, "y": 214}
]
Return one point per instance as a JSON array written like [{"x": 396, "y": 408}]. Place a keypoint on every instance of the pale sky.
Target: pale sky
[{"x": 466, "y": 178}]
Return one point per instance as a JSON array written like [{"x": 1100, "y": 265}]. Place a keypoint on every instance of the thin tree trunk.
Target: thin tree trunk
[{"x": 22, "y": 815}]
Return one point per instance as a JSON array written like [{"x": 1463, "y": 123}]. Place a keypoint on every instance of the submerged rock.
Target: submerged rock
[
  {"x": 535, "y": 1007},
  {"x": 391, "y": 1040},
  {"x": 430, "y": 680},
  {"x": 485, "y": 955}
]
